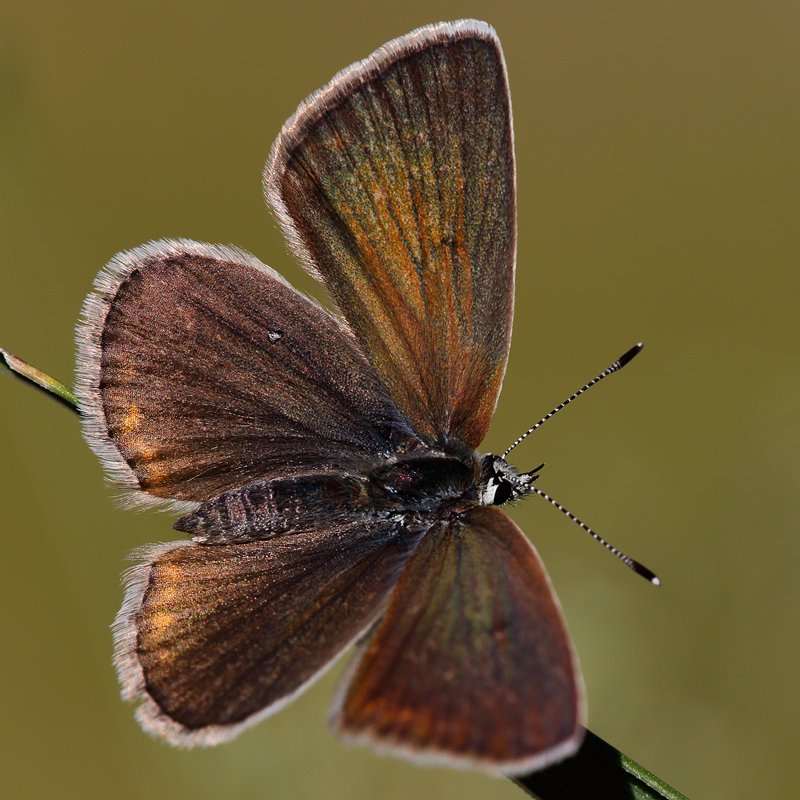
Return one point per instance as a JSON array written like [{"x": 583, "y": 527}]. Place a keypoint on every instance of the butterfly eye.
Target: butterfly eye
[{"x": 503, "y": 492}]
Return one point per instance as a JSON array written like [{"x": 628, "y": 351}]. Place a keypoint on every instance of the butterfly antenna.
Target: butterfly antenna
[
  {"x": 638, "y": 568},
  {"x": 615, "y": 367}
]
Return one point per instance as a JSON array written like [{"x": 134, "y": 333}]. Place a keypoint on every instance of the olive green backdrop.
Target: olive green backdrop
[{"x": 659, "y": 187}]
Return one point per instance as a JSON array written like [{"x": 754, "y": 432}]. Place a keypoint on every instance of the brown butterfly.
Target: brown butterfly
[{"x": 327, "y": 466}]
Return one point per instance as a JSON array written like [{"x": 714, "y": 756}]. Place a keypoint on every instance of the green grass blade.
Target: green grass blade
[
  {"x": 21, "y": 369},
  {"x": 597, "y": 771}
]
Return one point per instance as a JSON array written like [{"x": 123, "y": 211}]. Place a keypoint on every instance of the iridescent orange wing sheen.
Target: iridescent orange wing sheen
[
  {"x": 212, "y": 639},
  {"x": 395, "y": 184}
]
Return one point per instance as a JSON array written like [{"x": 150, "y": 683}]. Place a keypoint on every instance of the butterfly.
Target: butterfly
[{"x": 326, "y": 465}]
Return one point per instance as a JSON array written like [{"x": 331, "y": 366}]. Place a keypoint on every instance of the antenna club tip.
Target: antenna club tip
[
  {"x": 647, "y": 574},
  {"x": 630, "y": 354}
]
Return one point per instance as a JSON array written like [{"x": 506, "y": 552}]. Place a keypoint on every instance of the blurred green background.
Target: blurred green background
[{"x": 659, "y": 190}]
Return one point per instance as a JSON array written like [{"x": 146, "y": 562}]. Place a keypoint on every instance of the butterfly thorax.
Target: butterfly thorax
[
  {"x": 433, "y": 485},
  {"x": 442, "y": 484}
]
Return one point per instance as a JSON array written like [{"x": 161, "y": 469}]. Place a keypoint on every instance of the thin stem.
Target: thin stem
[
  {"x": 27, "y": 372},
  {"x": 597, "y": 771}
]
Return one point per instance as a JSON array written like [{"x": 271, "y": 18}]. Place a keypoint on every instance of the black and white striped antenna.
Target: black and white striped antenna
[
  {"x": 615, "y": 367},
  {"x": 638, "y": 568}
]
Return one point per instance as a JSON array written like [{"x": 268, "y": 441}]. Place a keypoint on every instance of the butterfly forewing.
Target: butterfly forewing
[
  {"x": 472, "y": 664},
  {"x": 212, "y": 638},
  {"x": 396, "y": 185},
  {"x": 202, "y": 370}
]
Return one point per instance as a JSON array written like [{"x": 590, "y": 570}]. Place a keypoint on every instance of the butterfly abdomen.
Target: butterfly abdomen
[{"x": 271, "y": 508}]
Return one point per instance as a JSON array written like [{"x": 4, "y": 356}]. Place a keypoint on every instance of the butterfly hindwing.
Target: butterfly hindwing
[
  {"x": 472, "y": 665},
  {"x": 396, "y": 185},
  {"x": 213, "y": 638}
]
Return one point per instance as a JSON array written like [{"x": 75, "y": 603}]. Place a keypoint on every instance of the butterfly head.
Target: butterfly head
[{"x": 501, "y": 483}]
